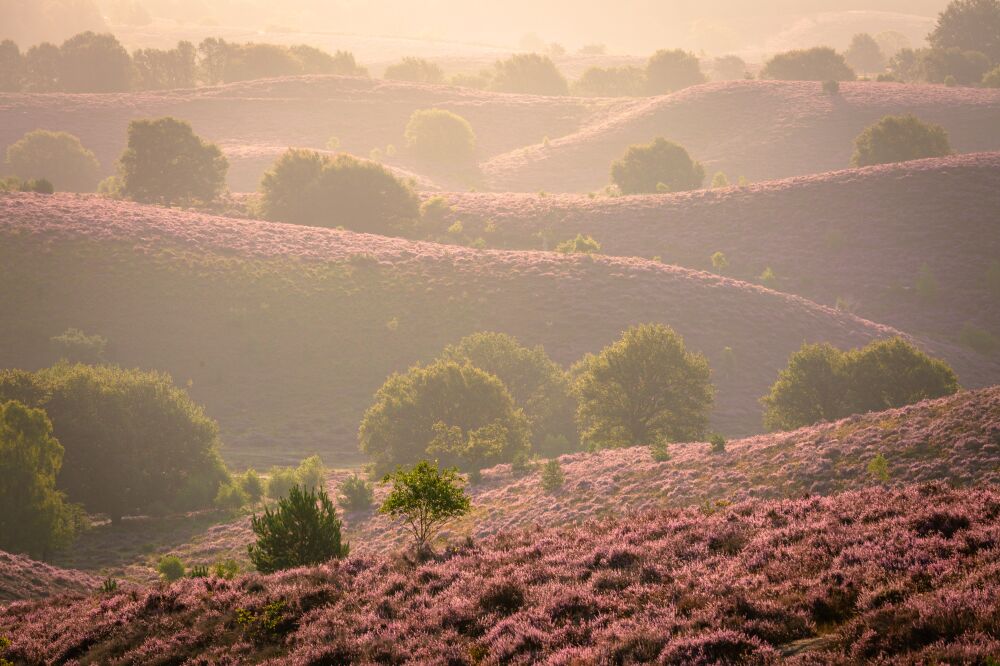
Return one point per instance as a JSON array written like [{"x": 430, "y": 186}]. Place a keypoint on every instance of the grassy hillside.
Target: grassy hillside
[
  {"x": 907, "y": 576},
  {"x": 24, "y": 578},
  {"x": 824, "y": 236},
  {"x": 285, "y": 332},
  {"x": 758, "y": 129}
]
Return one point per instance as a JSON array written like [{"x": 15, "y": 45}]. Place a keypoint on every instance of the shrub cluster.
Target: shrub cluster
[
  {"x": 898, "y": 139},
  {"x": 57, "y": 157}
]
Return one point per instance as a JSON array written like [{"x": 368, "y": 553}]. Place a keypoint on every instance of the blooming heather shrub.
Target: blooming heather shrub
[
  {"x": 645, "y": 588},
  {"x": 303, "y": 529},
  {"x": 817, "y": 64},
  {"x": 643, "y": 388},
  {"x": 166, "y": 162},
  {"x": 356, "y": 494},
  {"x": 898, "y": 139},
  {"x": 418, "y": 70},
  {"x": 58, "y": 157},
  {"x": 133, "y": 439},
  {"x": 644, "y": 168},
  {"x": 425, "y": 497},
  {"x": 529, "y": 73},
  {"x": 305, "y": 187},
  {"x": 458, "y": 414},
  {"x": 170, "y": 568},
  {"x": 440, "y": 136}
]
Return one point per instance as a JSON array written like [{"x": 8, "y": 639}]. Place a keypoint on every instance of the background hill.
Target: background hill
[
  {"x": 824, "y": 236},
  {"x": 904, "y": 575},
  {"x": 284, "y": 332}
]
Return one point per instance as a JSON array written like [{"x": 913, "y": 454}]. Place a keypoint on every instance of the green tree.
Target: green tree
[
  {"x": 311, "y": 473},
  {"x": 816, "y": 64},
  {"x": 356, "y": 494},
  {"x": 537, "y": 384},
  {"x": 553, "y": 477},
  {"x": 465, "y": 414},
  {"x": 529, "y": 73},
  {"x": 12, "y": 67},
  {"x": 669, "y": 71},
  {"x": 898, "y": 139},
  {"x": 166, "y": 69},
  {"x": 41, "y": 68},
  {"x": 280, "y": 480},
  {"x": 231, "y": 497},
  {"x": 644, "y": 387},
  {"x": 865, "y": 55},
  {"x": 956, "y": 65},
  {"x": 417, "y": 70},
  {"x": 94, "y": 63},
  {"x": 58, "y": 157},
  {"x": 437, "y": 135},
  {"x": 305, "y": 187},
  {"x": 822, "y": 383},
  {"x": 36, "y": 518},
  {"x": 425, "y": 498},
  {"x": 969, "y": 24},
  {"x": 624, "y": 81},
  {"x": 133, "y": 439},
  {"x": 253, "y": 485},
  {"x": 302, "y": 530},
  {"x": 655, "y": 167},
  {"x": 166, "y": 162}
]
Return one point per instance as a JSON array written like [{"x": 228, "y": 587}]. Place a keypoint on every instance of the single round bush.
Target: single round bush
[
  {"x": 305, "y": 187},
  {"x": 58, "y": 157},
  {"x": 611, "y": 82},
  {"x": 166, "y": 162},
  {"x": 170, "y": 568},
  {"x": 817, "y": 64},
  {"x": 898, "y": 139},
  {"x": 437, "y": 135},
  {"x": 655, "y": 167},
  {"x": 529, "y": 73},
  {"x": 417, "y": 70},
  {"x": 669, "y": 71}
]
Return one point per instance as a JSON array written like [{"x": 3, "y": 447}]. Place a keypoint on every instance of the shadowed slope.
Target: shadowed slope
[
  {"x": 285, "y": 332},
  {"x": 758, "y": 129},
  {"x": 24, "y": 578}
]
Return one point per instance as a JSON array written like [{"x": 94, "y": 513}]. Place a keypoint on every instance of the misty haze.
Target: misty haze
[{"x": 482, "y": 333}]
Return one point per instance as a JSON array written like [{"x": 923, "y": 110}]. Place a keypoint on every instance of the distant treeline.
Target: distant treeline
[{"x": 91, "y": 62}]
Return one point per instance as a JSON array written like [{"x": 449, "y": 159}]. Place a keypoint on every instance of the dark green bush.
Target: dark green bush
[
  {"x": 58, "y": 157},
  {"x": 170, "y": 568},
  {"x": 529, "y": 73},
  {"x": 305, "y": 187},
  {"x": 655, "y": 167},
  {"x": 898, "y": 139},
  {"x": 166, "y": 162},
  {"x": 816, "y": 64},
  {"x": 356, "y": 494},
  {"x": 669, "y": 71},
  {"x": 553, "y": 477},
  {"x": 436, "y": 135},
  {"x": 302, "y": 530}
]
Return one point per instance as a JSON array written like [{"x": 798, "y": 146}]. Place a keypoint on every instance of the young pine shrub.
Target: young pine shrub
[
  {"x": 311, "y": 473},
  {"x": 109, "y": 586},
  {"x": 253, "y": 485},
  {"x": 719, "y": 262},
  {"x": 302, "y": 530},
  {"x": 356, "y": 494},
  {"x": 553, "y": 477},
  {"x": 170, "y": 568},
  {"x": 718, "y": 443},
  {"x": 660, "y": 450},
  {"x": 198, "y": 571},
  {"x": 227, "y": 569},
  {"x": 878, "y": 468}
]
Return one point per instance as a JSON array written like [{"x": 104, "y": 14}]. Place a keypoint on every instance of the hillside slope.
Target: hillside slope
[
  {"x": 904, "y": 576},
  {"x": 255, "y": 118},
  {"x": 24, "y": 578},
  {"x": 758, "y": 129},
  {"x": 285, "y": 332},
  {"x": 824, "y": 236}
]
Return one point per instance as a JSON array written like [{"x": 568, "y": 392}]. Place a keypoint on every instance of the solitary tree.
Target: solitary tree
[
  {"x": 36, "y": 518},
  {"x": 668, "y": 71},
  {"x": 864, "y": 54},
  {"x": 898, "y": 139},
  {"x": 644, "y": 387},
  {"x": 529, "y": 73},
  {"x": 89, "y": 62},
  {"x": 441, "y": 136},
  {"x": 969, "y": 24},
  {"x": 425, "y": 498},
  {"x": 167, "y": 162},
  {"x": 657, "y": 167},
  {"x": 817, "y": 64},
  {"x": 58, "y": 157},
  {"x": 302, "y": 530},
  {"x": 457, "y": 413}
]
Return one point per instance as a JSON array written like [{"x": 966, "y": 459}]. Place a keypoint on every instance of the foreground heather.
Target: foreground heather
[{"x": 900, "y": 576}]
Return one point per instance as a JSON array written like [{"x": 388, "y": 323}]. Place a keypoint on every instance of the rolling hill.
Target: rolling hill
[
  {"x": 762, "y": 130},
  {"x": 902, "y": 576},
  {"x": 24, "y": 578},
  {"x": 824, "y": 236},
  {"x": 284, "y": 332}
]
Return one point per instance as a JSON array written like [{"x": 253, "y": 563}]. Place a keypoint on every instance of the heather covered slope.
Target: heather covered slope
[
  {"x": 824, "y": 236},
  {"x": 906, "y": 576},
  {"x": 24, "y": 578},
  {"x": 285, "y": 332},
  {"x": 254, "y": 119},
  {"x": 758, "y": 129}
]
